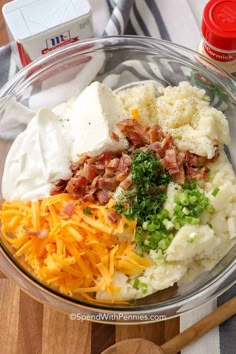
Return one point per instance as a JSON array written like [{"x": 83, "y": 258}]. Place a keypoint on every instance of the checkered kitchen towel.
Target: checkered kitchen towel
[{"x": 179, "y": 22}]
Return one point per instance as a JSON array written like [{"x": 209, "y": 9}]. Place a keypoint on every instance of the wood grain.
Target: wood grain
[
  {"x": 134, "y": 346},
  {"x": 3, "y": 30},
  {"x": 98, "y": 331},
  {"x": 9, "y": 314},
  {"x": 30, "y": 325},
  {"x": 156, "y": 332},
  {"x": 62, "y": 335}
]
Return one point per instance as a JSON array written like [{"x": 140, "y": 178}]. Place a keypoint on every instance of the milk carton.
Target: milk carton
[{"x": 37, "y": 27}]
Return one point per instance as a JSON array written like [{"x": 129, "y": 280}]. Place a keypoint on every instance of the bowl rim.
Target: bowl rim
[
  {"x": 128, "y": 309},
  {"x": 168, "y": 304},
  {"x": 103, "y": 40}
]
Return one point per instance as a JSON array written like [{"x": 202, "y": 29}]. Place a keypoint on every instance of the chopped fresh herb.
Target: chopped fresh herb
[
  {"x": 146, "y": 197},
  {"x": 215, "y": 191},
  {"x": 136, "y": 283},
  {"x": 144, "y": 201},
  {"x": 119, "y": 208},
  {"x": 87, "y": 211}
]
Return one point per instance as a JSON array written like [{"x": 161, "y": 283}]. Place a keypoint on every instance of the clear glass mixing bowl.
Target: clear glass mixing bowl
[{"x": 116, "y": 61}]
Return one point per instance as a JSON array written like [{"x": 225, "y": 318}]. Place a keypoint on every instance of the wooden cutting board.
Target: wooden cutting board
[{"x": 28, "y": 327}]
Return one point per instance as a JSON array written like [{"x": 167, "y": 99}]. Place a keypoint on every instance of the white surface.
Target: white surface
[
  {"x": 209, "y": 343},
  {"x": 26, "y": 18},
  {"x": 183, "y": 18},
  {"x": 100, "y": 16}
]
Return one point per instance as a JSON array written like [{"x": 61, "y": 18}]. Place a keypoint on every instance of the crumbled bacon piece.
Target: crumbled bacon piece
[
  {"x": 103, "y": 197},
  {"x": 114, "y": 136},
  {"x": 113, "y": 216},
  {"x": 109, "y": 172},
  {"x": 121, "y": 176},
  {"x": 107, "y": 183},
  {"x": 196, "y": 173},
  {"x": 179, "y": 177},
  {"x": 181, "y": 157},
  {"x": 126, "y": 183},
  {"x": 59, "y": 187},
  {"x": 92, "y": 160},
  {"x": 134, "y": 132},
  {"x": 114, "y": 163},
  {"x": 68, "y": 209},
  {"x": 193, "y": 160},
  {"x": 76, "y": 186},
  {"x": 89, "y": 172},
  {"x": 155, "y": 134},
  {"x": 167, "y": 142},
  {"x": 157, "y": 148},
  {"x": 124, "y": 163},
  {"x": 105, "y": 157},
  {"x": 170, "y": 162}
]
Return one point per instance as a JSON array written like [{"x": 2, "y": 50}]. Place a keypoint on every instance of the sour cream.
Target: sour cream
[{"x": 38, "y": 157}]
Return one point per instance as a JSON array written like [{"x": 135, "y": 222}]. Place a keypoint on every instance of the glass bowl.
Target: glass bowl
[{"x": 115, "y": 61}]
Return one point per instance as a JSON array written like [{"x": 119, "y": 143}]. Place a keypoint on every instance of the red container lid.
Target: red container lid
[{"x": 219, "y": 24}]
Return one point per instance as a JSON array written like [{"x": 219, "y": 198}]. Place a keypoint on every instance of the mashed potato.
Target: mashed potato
[
  {"x": 181, "y": 111},
  {"x": 185, "y": 113}
]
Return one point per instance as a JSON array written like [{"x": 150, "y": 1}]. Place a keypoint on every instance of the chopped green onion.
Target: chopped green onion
[
  {"x": 215, "y": 191},
  {"x": 162, "y": 244},
  {"x": 191, "y": 238},
  {"x": 211, "y": 176},
  {"x": 192, "y": 199},
  {"x": 151, "y": 227},
  {"x": 136, "y": 283},
  {"x": 211, "y": 209},
  {"x": 145, "y": 224},
  {"x": 185, "y": 211},
  {"x": 144, "y": 288},
  {"x": 168, "y": 224},
  {"x": 192, "y": 221}
]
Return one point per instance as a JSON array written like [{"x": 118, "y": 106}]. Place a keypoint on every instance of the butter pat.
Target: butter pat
[{"x": 95, "y": 115}]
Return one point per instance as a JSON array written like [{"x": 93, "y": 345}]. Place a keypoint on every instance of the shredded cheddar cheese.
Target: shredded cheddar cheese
[
  {"x": 135, "y": 114},
  {"x": 76, "y": 253}
]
